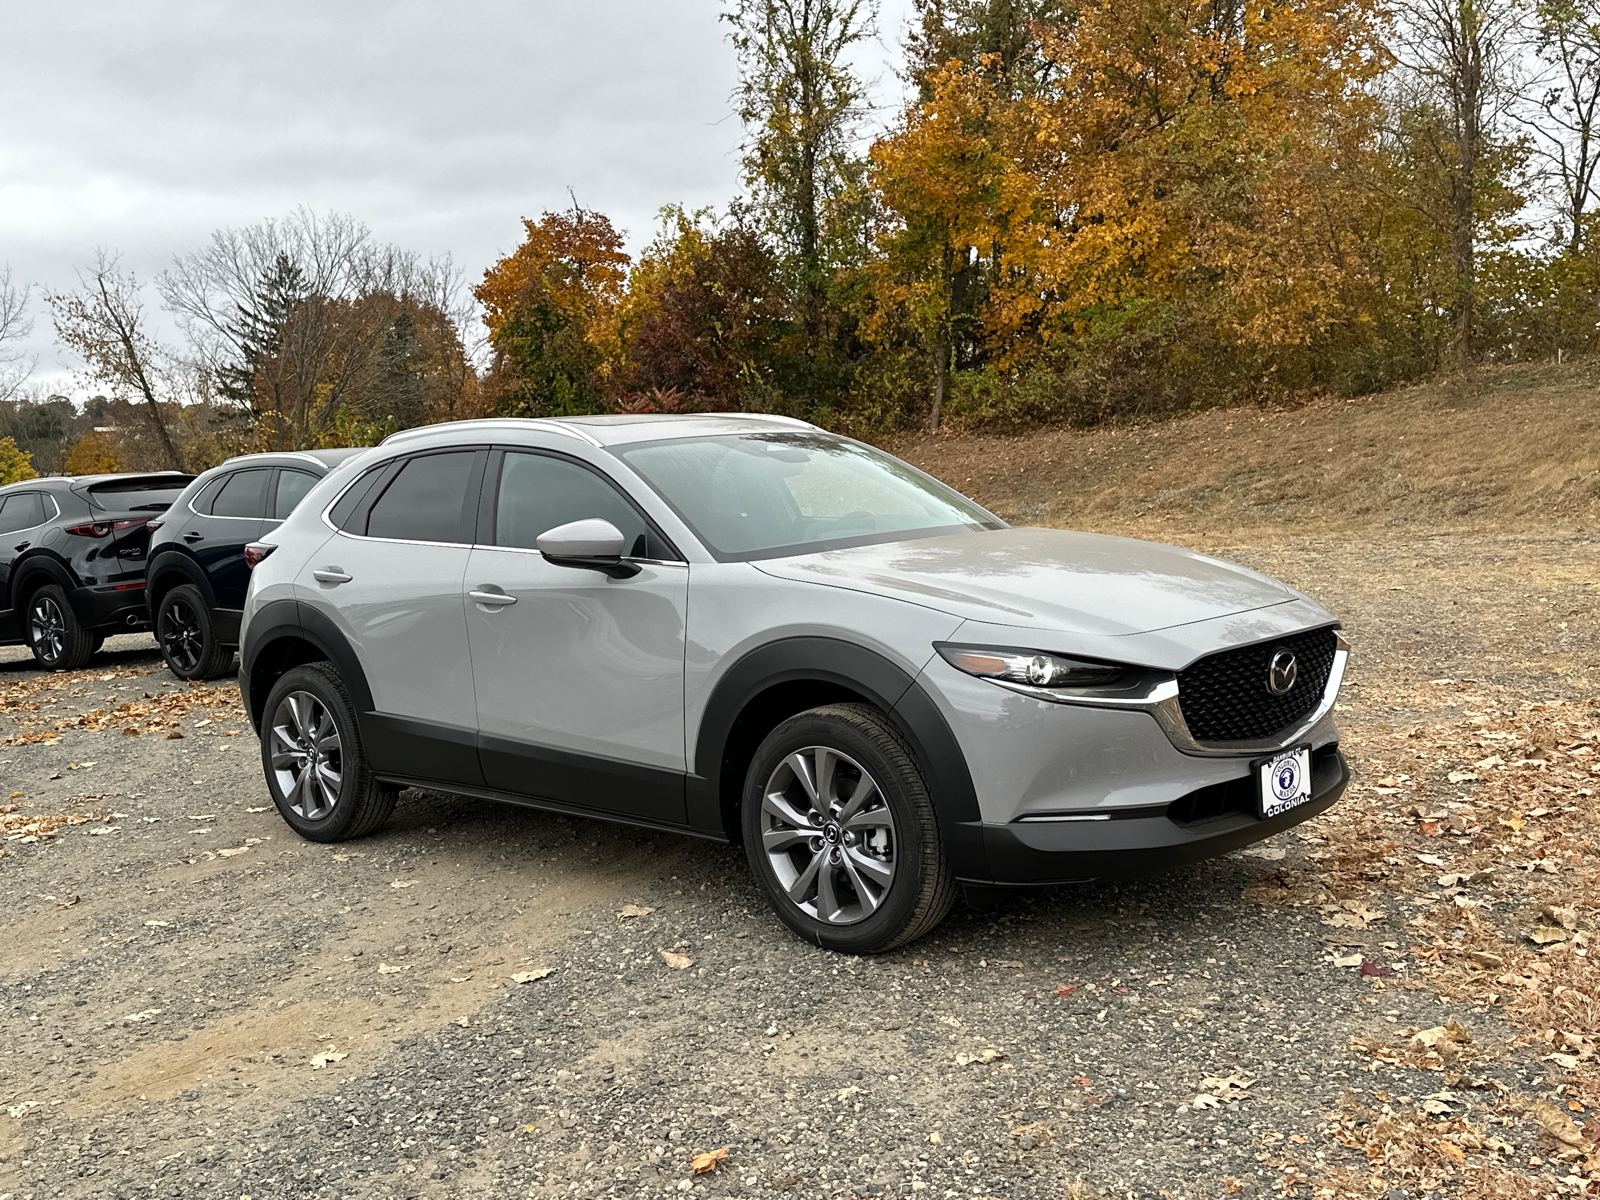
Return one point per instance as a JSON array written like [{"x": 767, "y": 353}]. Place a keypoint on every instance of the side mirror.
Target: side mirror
[{"x": 592, "y": 544}]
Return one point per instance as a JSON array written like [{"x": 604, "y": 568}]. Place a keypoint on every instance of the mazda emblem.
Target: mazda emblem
[{"x": 1281, "y": 673}]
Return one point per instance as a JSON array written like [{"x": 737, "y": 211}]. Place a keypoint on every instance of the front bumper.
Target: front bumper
[{"x": 1140, "y": 842}]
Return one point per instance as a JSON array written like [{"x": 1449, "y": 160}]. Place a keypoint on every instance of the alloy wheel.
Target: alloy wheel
[
  {"x": 828, "y": 835},
  {"x": 47, "y": 629},
  {"x": 307, "y": 756},
  {"x": 181, "y": 637}
]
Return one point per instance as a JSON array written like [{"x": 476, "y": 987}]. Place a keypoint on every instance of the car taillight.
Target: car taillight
[
  {"x": 100, "y": 529},
  {"x": 256, "y": 551}
]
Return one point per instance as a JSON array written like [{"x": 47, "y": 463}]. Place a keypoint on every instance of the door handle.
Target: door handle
[
  {"x": 330, "y": 575},
  {"x": 497, "y": 598},
  {"x": 192, "y": 537}
]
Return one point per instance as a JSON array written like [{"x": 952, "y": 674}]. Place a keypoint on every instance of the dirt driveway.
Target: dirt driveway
[{"x": 487, "y": 1001}]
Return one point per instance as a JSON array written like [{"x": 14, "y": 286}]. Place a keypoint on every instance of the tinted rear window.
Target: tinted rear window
[
  {"x": 293, "y": 486},
  {"x": 138, "y": 495},
  {"x": 243, "y": 495},
  {"x": 426, "y": 500}
]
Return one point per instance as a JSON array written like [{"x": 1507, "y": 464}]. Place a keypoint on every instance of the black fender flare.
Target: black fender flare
[
  {"x": 173, "y": 561},
  {"x": 287, "y": 620},
  {"x": 833, "y": 664},
  {"x": 31, "y": 567}
]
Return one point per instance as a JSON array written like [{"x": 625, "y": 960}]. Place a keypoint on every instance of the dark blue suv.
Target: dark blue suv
[{"x": 197, "y": 572}]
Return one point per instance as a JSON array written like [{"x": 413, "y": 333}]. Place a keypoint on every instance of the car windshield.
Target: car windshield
[{"x": 767, "y": 495}]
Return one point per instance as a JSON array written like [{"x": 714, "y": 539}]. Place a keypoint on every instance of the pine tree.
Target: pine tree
[{"x": 257, "y": 330}]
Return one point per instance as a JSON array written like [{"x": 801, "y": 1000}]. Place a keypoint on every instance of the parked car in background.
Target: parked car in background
[
  {"x": 745, "y": 628},
  {"x": 196, "y": 569},
  {"x": 72, "y": 560}
]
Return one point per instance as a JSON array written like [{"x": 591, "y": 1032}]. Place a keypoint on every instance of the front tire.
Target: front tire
[
  {"x": 841, "y": 833},
  {"x": 58, "y": 641},
  {"x": 187, "y": 637},
  {"x": 316, "y": 768}
]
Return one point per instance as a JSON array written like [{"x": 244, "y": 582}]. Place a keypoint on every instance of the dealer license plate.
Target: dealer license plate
[{"x": 1285, "y": 781}]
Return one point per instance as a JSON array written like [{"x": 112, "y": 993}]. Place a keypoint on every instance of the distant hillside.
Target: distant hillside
[{"x": 1513, "y": 447}]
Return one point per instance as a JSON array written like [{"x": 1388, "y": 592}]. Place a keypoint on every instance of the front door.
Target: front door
[
  {"x": 579, "y": 676},
  {"x": 390, "y": 582}
]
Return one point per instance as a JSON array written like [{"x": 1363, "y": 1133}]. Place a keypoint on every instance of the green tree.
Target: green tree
[{"x": 801, "y": 105}]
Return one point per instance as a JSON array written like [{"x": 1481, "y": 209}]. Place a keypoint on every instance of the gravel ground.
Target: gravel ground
[{"x": 478, "y": 1001}]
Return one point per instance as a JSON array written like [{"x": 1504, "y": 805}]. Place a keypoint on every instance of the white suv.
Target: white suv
[{"x": 746, "y": 628}]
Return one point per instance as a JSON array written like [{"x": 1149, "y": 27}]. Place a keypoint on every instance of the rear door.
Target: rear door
[
  {"x": 579, "y": 677},
  {"x": 390, "y": 582},
  {"x": 230, "y": 513}
]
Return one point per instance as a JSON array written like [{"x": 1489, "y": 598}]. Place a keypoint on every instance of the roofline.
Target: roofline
[{"x": 569, "y": 429}]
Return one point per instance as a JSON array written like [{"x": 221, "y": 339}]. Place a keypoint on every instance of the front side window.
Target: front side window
[
  {"x": 293, "y": 487},
  {"x": 243, "y": 495},
  {"x": 424, "y": 502},
  {"x": 766, "y": 495},
  {"x": 539, "y": 492},
  {"x": 21, "y": 510}
]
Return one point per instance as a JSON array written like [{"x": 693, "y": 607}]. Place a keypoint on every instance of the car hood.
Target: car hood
[{"x": 1055, "y": 579}]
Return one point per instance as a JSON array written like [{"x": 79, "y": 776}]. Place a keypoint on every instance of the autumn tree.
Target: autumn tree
[
  {"x": 706, "y": 315},
  {"x": 93, "y": 454},
  {"x": 16, "y": 464},
  {"x": 552, "y": 308},
  {"x": 104, "y": 322}
]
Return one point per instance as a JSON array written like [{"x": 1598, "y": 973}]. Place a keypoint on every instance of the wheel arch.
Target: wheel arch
[
  {"x": 774, "y": 682},
  {"x": 172, "y": 568},
  {"x": 33, "y": 572},
  {"x": 284, "y": 635}
]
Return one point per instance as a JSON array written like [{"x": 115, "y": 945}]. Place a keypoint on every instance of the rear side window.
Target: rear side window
[
  {"x": 139, "y": 494},
  {"x": 292, "y": 488},
  {"x": 21, "y": 510},
  {"x": 426, "y": 500},
  {"x": 208, "y": 494},
  {"x": 243, "y": 495},
  {"x": 538, "y": 492},
  {"x": 350, "y": 513}
]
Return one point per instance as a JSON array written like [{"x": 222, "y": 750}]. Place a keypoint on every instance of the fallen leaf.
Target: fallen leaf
[
  {"x": 1490, "y": 962},
  {"x": 1429, "y": 828},
  {"x": 385, "y": 969},
  {"x": 156, "y": 924},
  {"x": 1347, "y": 960},
  {"x": 634, "y": 910},
  {"x": 1065, "y": 990},
  {"x": 1486, "y": 764},
  {"x": 987, "y": 1055},
  {"x": 674, "y": 959},
  {"x": 1204, "y": 1101},
  {"x": 1558, "y": 1125},
  {"x": 401, "y": 883},
  {"x": 702, "y": 1163},
  {"x": 1432, "y": 860},
  {"x": 532, "y": 976},
  {"x": 318, "y": 1061},
  {"x": 230, "y": 851},
  {"x": 1566, "y": 918},
  {"x": 261, "y": 808},
  {"x": 1462, "y": 777},
  {"x": 1546, "y": 935},
  {"x": 1372, "y": 968}
]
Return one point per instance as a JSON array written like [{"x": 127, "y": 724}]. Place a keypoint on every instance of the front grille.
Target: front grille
[{"x": 1224, "y": 696}]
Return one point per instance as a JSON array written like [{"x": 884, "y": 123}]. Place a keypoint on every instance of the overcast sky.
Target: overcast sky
[{"x": 142, "y": 127}]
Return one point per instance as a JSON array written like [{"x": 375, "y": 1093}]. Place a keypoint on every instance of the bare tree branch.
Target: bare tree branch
[{"x": 15, "y": 325}]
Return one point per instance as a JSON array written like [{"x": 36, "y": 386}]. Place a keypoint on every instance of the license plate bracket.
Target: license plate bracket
[{"x": 1283, "y": 781}]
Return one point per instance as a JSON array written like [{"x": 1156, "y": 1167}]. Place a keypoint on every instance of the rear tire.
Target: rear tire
[
  {"x": 58, "y": 641},
  {"x": 841, "y": 833},
  {"x": 187, "y": 636},
  {"x": 316, "y": 767}
]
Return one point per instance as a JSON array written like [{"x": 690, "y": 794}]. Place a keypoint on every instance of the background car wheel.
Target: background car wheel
[
  {"x": 187, "y": 637},
  {"x": 841, "y": 833},
  {"x": 58, "y": 642},
  {"x": 316, "y": 768}
]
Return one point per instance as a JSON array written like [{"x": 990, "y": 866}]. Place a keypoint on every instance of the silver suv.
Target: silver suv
[{"x": 745, "y": 628}]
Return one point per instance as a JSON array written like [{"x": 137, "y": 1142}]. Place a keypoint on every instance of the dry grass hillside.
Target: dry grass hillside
[{"x": 1514, "y": 447}]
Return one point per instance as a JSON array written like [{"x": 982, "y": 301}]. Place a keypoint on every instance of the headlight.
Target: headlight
[{"x": 1034, "y": 669}]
